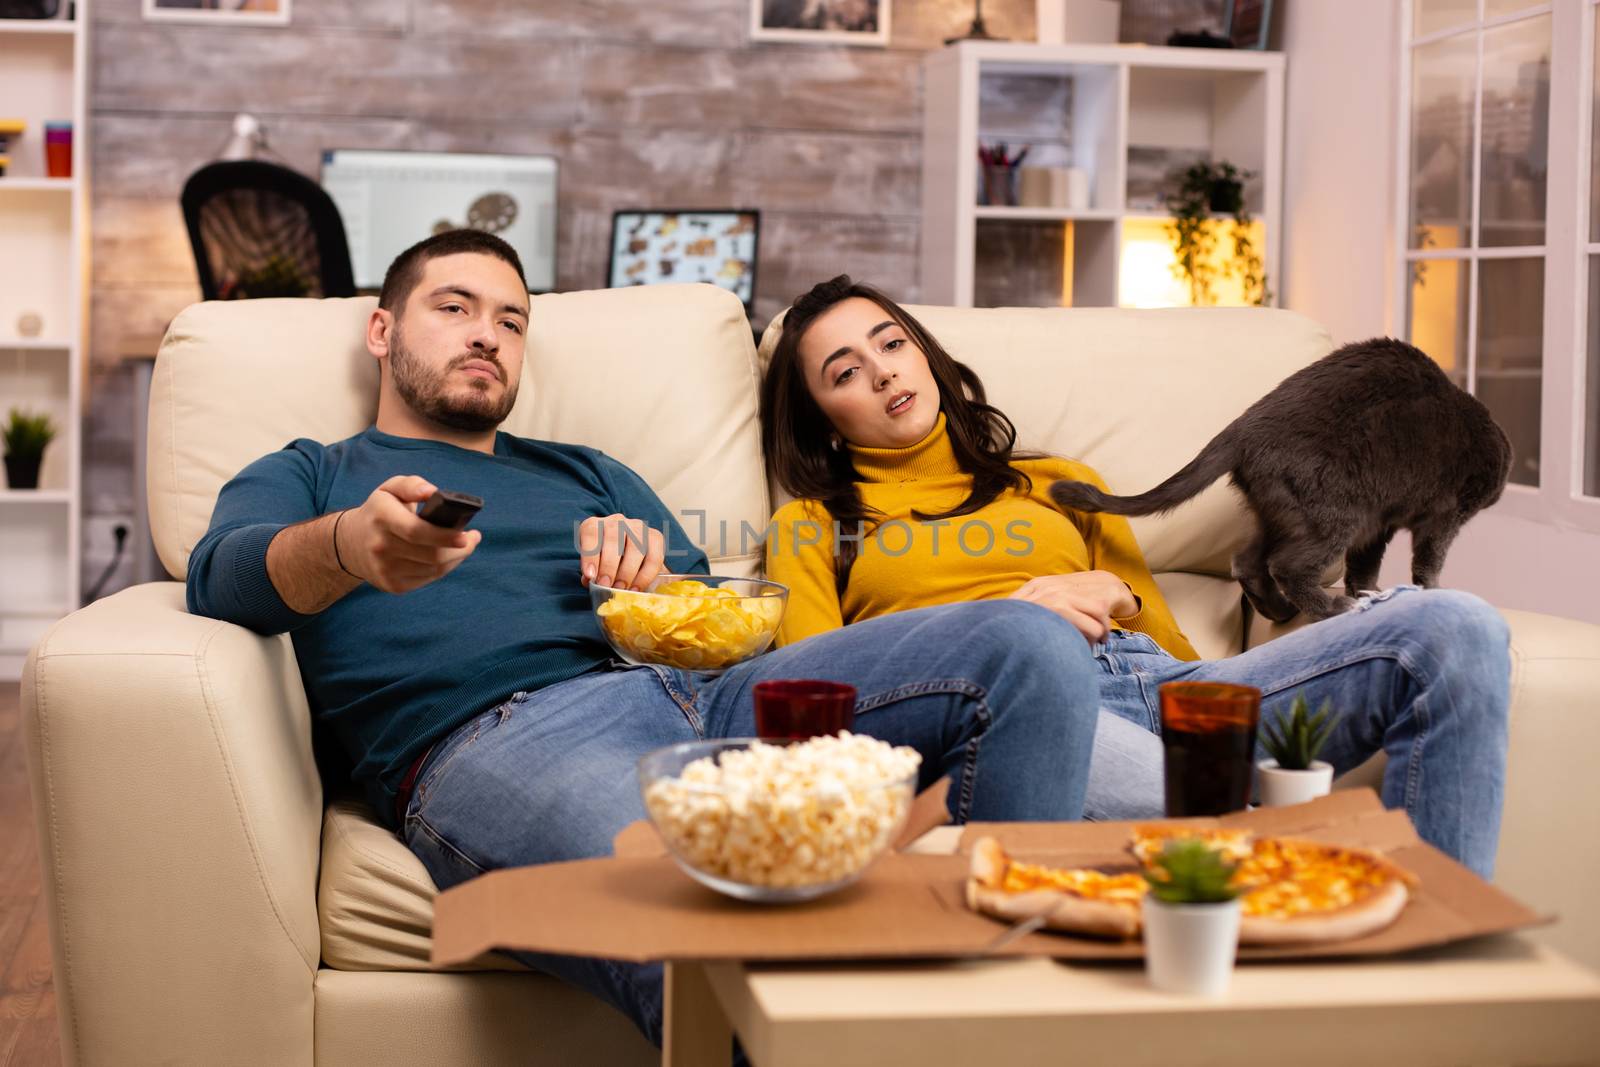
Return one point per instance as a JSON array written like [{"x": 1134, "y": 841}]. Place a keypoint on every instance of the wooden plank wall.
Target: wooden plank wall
[{"x": 646, "y": 102}]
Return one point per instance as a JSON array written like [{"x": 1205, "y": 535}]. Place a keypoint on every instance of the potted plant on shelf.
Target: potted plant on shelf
[
  {"x": 1203, "y": 192},
  {"x": 25, "y": 439},
  {"x": 1294, "y": 775},
  {"x": 1191, "y": 919}
]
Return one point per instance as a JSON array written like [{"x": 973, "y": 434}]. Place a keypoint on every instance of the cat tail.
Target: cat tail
[{"x": 1214, "y": 460}]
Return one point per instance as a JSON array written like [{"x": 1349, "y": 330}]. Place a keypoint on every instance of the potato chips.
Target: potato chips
[{"x": 690, "y": 625}]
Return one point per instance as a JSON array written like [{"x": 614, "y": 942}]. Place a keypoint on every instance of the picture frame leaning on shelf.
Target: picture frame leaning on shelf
[
  {"x": 1247, "y": 22},
  {"x": 233, "y": 12},
  {"x": 854, "y": 22}
]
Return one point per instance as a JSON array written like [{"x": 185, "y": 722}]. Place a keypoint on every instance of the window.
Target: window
[
  {"x": 1477, "y": 218},
  {"x": 1591, "y": 404}
]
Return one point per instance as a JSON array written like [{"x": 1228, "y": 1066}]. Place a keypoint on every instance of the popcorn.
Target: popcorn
[{"x": 805, "y": 814}]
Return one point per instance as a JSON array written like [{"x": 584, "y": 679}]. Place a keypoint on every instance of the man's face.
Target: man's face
[{"x": 456, "y": 347}]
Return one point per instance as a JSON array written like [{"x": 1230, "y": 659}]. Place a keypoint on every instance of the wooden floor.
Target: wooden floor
[{"x": 28, "y": 1035}]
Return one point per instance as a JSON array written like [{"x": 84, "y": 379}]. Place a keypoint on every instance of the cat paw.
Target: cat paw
[
  {"x": 1336, "y": 605},
  {"x": 1278, "y": 614}
]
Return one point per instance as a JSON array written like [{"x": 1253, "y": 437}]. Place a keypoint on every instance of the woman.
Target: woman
[{"x": 909, "y": 493}]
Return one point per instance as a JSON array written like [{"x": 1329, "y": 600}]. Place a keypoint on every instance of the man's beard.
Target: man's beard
[{"x": 473, "y": 411}]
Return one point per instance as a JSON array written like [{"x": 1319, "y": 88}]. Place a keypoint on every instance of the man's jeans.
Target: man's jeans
[{"x": 1002, "y": 696}]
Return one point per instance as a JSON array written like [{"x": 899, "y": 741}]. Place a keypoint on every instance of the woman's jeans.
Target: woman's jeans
[{"x": 1004, "y": 697}]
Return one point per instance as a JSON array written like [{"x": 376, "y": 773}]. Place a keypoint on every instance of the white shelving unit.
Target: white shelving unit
[
  {"x": 1098, "y": 103},
  {"x": 43, "y": 269}
]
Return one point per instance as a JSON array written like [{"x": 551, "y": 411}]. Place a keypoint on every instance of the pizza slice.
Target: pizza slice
[
  {"x": 1149, "y": 840},
  {"x": 1306, "y": 891},
  {"x": 1077, "y": 901}
]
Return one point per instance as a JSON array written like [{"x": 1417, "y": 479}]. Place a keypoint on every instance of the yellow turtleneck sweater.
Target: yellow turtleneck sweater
[{"x": 987, "y": 555}]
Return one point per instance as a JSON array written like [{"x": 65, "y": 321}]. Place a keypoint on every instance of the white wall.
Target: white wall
[
  {"x": 1341, "y": 110},
  {"x": 1514, "y": 563},
  {"x": 1343, "y": 80}
]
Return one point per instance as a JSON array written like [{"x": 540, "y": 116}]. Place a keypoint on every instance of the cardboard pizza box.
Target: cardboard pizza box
[{"x": 638, "y": 905}]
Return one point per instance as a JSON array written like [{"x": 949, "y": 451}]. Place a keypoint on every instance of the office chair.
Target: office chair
[{"x": 259, "y": 229}]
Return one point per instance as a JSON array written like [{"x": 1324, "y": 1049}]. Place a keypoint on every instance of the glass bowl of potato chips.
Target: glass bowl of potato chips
[{"x": 694, "y": 622}]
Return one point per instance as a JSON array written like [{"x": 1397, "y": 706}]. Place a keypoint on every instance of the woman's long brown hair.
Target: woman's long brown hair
[{"x": 797, "y": 437}]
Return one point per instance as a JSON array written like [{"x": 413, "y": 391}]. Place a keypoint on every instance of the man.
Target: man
[{"x": 463, "y": 672}]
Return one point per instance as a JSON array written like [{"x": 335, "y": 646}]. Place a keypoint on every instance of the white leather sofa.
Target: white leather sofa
[{"x": 206, "y": 910}]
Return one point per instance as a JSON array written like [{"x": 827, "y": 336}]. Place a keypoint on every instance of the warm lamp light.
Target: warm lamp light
[{"x": 1145, "y": 278}]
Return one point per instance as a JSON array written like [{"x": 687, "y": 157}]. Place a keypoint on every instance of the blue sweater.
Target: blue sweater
[{"x": 388, "y": 675}]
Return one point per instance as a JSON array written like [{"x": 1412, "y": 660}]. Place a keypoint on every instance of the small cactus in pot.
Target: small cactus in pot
[
  {"x": 1294, "y": 774},
  {"x": 1191, "y": 918}
]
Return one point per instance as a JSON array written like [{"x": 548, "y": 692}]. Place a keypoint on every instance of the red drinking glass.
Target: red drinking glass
[
  {"x": 1208, "y": 734},
  {"x": 787, "y": 709}
]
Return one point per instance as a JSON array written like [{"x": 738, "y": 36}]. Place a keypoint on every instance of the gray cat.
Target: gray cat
[{"x": 1343, "y": 453}]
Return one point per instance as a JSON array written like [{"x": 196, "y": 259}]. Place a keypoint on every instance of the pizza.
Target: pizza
[
  {"x": 1297, "y": 891},
  {"x": 1307, "y": 891},
  {"x": 1148, "y": 841},
  {"x": 1076, "y": 901}
]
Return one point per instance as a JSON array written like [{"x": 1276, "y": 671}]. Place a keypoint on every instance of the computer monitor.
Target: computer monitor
[
  {"x": 658, "y": 246},
  {"x": 391, "y": 200}
]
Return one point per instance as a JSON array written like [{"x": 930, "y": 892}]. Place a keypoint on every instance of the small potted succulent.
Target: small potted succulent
[
  {"x": 1191, "y": 919},
  {"x": 25, "y": 439},
  {"x": 1294, "y": 775}
]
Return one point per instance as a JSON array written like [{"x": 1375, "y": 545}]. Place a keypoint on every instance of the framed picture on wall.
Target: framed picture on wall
[
  {"x": 863, "y": 22},
  {"x": 235, "y": 12},
  {"x": 1246, "y": 22}
]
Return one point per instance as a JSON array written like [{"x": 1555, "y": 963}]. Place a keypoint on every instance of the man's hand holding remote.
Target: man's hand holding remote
[
  {"x": 387, "y": 544},
  {"x": 383, "y": 542}
]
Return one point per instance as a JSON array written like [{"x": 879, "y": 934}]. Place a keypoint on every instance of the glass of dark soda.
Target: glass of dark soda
[
  {"x": 1208, "y": 734},
  {"x": 787, "y": 709}
]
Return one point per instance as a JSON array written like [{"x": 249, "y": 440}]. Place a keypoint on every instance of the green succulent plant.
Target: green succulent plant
[
  {"x": 27, "y": 435},
  {"x": 1192, "y": 872},
  {"x": 1295, "y": 742}
]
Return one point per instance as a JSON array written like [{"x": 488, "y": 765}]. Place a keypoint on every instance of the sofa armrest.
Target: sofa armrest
[
  {"x": 179, "y": 813},
  {"x": 1549, "y": 853}
]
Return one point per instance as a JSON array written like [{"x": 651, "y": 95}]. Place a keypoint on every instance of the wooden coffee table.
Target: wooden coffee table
[{"x": 1500, "y": 1000}]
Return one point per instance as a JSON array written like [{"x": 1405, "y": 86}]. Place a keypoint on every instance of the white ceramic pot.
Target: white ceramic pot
[
  {"x": 1189, "y": 948},
  {"x": 1280, "y": 787}
]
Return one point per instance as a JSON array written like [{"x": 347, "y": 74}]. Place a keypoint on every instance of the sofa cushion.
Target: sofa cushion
[
  {"x": 662, "y": 378},
  {"x": 435, "y": 1020},
  {"x": 375, "y": 898},
  {"x": 1207, "y": 609}
]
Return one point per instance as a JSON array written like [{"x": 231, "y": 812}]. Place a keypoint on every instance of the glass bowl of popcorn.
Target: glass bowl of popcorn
[
  {"x": 695, "y": 622},
  {"x": 779, "y": 823}
]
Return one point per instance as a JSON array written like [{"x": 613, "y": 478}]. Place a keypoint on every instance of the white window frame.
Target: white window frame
[{"x": 1557, "y": 499}]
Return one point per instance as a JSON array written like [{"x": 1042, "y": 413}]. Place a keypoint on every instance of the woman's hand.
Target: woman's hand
[
  {"x": 1088, "y": 600},
  {"x": 619, "y": 551}
]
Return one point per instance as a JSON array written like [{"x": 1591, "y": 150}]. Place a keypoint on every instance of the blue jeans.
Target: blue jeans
[{"x": 1003, "y": 697}]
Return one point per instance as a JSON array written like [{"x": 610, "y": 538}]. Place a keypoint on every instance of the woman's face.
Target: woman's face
[{"x": 871, "y": 382}]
